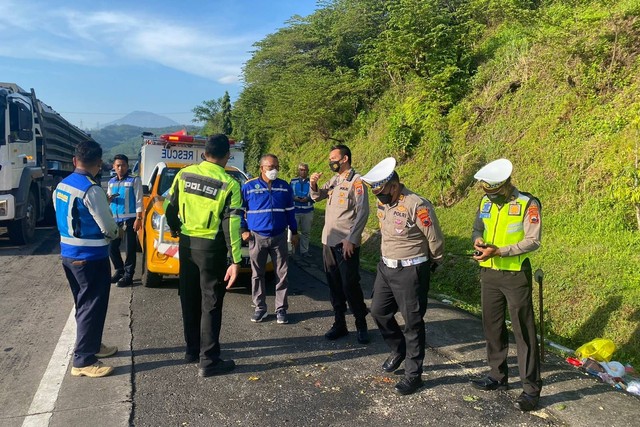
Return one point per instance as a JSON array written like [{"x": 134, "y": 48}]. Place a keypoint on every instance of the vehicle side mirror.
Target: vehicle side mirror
[{"x": 145, "y": 189}]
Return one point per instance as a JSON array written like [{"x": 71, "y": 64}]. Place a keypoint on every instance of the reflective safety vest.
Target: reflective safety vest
[
  {"x": 301, "y": 188},
  {"x": 204, "y": 194},
  {"x": 80, "y": 235},
  {"x": 124, "y": 205},
  {"x": 504, "y": 227}
]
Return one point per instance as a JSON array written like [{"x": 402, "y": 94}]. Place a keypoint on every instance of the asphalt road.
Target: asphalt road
[{"x": 286, "y": 374}]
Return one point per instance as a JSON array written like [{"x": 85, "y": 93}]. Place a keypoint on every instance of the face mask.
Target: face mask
[
  {"x": 334, "y": 165},
  {"x": 272, "y": 174},
  {"x": 497, "y": 199},
  {"x": 385, "y": 199}
]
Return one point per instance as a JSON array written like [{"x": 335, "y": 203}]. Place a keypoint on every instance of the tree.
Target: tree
[{"x": 225, "y": 104}]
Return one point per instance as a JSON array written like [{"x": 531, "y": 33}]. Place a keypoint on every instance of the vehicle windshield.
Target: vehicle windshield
[
  {"x": 168, "y": 175},
  {"x": 166, "y": 179},
  {"x": 238, "y": 176}
]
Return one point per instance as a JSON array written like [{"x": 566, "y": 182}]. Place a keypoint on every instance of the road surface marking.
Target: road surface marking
[{"x": 44, "y": 401}]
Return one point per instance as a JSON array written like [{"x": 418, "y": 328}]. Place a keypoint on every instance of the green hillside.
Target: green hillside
[{"x": 445, "y": 87}]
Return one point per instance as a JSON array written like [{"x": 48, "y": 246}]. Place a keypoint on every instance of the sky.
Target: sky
[{"x": 96, "y": 61}]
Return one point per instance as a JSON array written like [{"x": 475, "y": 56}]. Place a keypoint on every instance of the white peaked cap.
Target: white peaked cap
[
  {"x": 380, "y": 174},
  {"x": 495, "y": 172}
]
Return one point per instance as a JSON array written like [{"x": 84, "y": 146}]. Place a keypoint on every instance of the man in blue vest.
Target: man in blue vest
[
  {"x": 125, "y": 197},
  {"x": 506, "y": 229},
  {"x": 304, "y": 207},
  {"x": 268, "y": 202},
  {"x": 86, "y": 226}
]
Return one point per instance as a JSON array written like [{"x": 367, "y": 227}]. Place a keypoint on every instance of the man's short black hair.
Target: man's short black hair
[
  {"x": 121, "y": 157},
  {"x": 88, "y": 152},
  {"x": 217, "y": 146},
  {"x": 394, "y": 177},
  {"x": 344, "y": 151}
]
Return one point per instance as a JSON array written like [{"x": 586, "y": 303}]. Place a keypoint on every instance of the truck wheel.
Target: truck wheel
[
  {"x": 21, "y": 231},
  {"x": 49, "y": 211},
  {"x": 149, "y": 279}
]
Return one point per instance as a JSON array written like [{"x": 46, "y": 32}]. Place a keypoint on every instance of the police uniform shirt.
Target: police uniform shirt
[
  {"x": 347, "y": 208},
  {"x": 532, "y": 226},
  {"x": 410, "y": 228}
]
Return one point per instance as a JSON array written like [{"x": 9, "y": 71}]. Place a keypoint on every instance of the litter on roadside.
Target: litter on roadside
[{"x": 594, "y": 358}]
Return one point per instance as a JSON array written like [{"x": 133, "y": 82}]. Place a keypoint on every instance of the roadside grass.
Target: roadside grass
[{"x": 559, "y": 99}]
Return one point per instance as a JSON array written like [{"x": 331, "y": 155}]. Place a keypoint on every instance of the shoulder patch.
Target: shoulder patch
[
  {"x": 423, "y": 216},
  {"x": 534, "y": 214},
  {"x": 357, "y": 186}
]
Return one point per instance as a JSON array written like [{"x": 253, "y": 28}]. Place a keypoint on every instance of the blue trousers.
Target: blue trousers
[{"x": 90, "y": 285}]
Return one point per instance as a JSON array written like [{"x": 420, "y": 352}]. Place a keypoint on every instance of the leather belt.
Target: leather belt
[{"x": 395, "y": 263}]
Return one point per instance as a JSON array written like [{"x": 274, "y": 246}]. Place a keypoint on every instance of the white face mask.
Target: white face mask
[{"x": 272, "y": 174}]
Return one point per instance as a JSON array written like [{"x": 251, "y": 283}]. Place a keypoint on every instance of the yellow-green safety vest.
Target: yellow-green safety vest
[
  {"x": 503, "y": 227},
  {"x": 205, "y": 194}
]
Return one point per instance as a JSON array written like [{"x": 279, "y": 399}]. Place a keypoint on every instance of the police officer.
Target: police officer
[
  {"x": 204, "y": 208},
  {"x": 304, "y": 207},
  {"x": 506, "y": 230},
  {"x": 412, "y": 247},
  {"x": 86, "y": 225},
  {"x": 125, "y": 197},
  {"x": 345, "y": 218}
]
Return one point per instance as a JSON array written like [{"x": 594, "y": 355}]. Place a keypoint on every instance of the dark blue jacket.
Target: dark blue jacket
[{"x": 268, "y": 211}]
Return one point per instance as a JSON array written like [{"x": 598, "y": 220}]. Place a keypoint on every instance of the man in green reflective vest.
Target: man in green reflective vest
[
  {"x": 506, "y": 229},
  {"x": 204, "y": 208}
]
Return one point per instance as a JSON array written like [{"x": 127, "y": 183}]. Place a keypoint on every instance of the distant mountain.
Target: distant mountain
[
  {"x": 126, "y": 139},
  {"x": 144, "y": 119}
]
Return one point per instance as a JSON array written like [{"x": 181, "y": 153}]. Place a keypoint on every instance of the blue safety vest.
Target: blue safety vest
[
  {"x": 124, "y": 206},
  {"x": 301, "y": 188},
  {"x": 80, "y": 235}
]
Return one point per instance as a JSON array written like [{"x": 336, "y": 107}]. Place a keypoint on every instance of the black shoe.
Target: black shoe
[
  {"x": 222, "y": 367},
  {"x": 116, "y": 277},
  {"x": 408, "y": 385},
  {"x": 336, "y": 331},
  {"x": 363, "y": 336},
  {"x": 124, "y": 282},
  {"x": 191, "y": 358},
  {"x": 487, "y": 383},
  {"x": 393, "y": 362},
  {"x": 526, "y": 402}
]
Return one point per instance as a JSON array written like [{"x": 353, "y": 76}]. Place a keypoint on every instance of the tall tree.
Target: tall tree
[{"x": 225, "y": 105}]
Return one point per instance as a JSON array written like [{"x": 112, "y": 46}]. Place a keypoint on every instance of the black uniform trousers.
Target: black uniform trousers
[
  {"x": 129, "y": 266},
  {"x": 343, "y": 276},
  {"x": 402, "y": 289},
  {"x": 202, "y": 291},
  {"x": 90, "y": 286},
  {"x": 512, "y": 290}
]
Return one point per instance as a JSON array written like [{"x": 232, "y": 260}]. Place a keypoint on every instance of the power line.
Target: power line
[{"x": 118, "y": 114}]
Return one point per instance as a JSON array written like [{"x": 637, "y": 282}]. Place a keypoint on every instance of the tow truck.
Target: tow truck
[{"x": 160, "y": 160}]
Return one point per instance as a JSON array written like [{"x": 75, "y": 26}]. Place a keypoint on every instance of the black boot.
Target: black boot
[
  {"x": 339, "y": 328},
  {"x": 363, "y": 333}
]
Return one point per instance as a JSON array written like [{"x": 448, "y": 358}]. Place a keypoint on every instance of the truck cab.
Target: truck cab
[{"x": 36, "y": 152}]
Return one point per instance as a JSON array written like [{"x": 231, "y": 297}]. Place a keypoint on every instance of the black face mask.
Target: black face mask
[
  {"x": 385, "y": 199},
  {"x": 334, "y": 165},
  {"x": 498, "y": 199}
]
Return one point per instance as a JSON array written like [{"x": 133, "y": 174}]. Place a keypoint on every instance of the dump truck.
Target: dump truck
[{"x": 36, "y": 152}]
